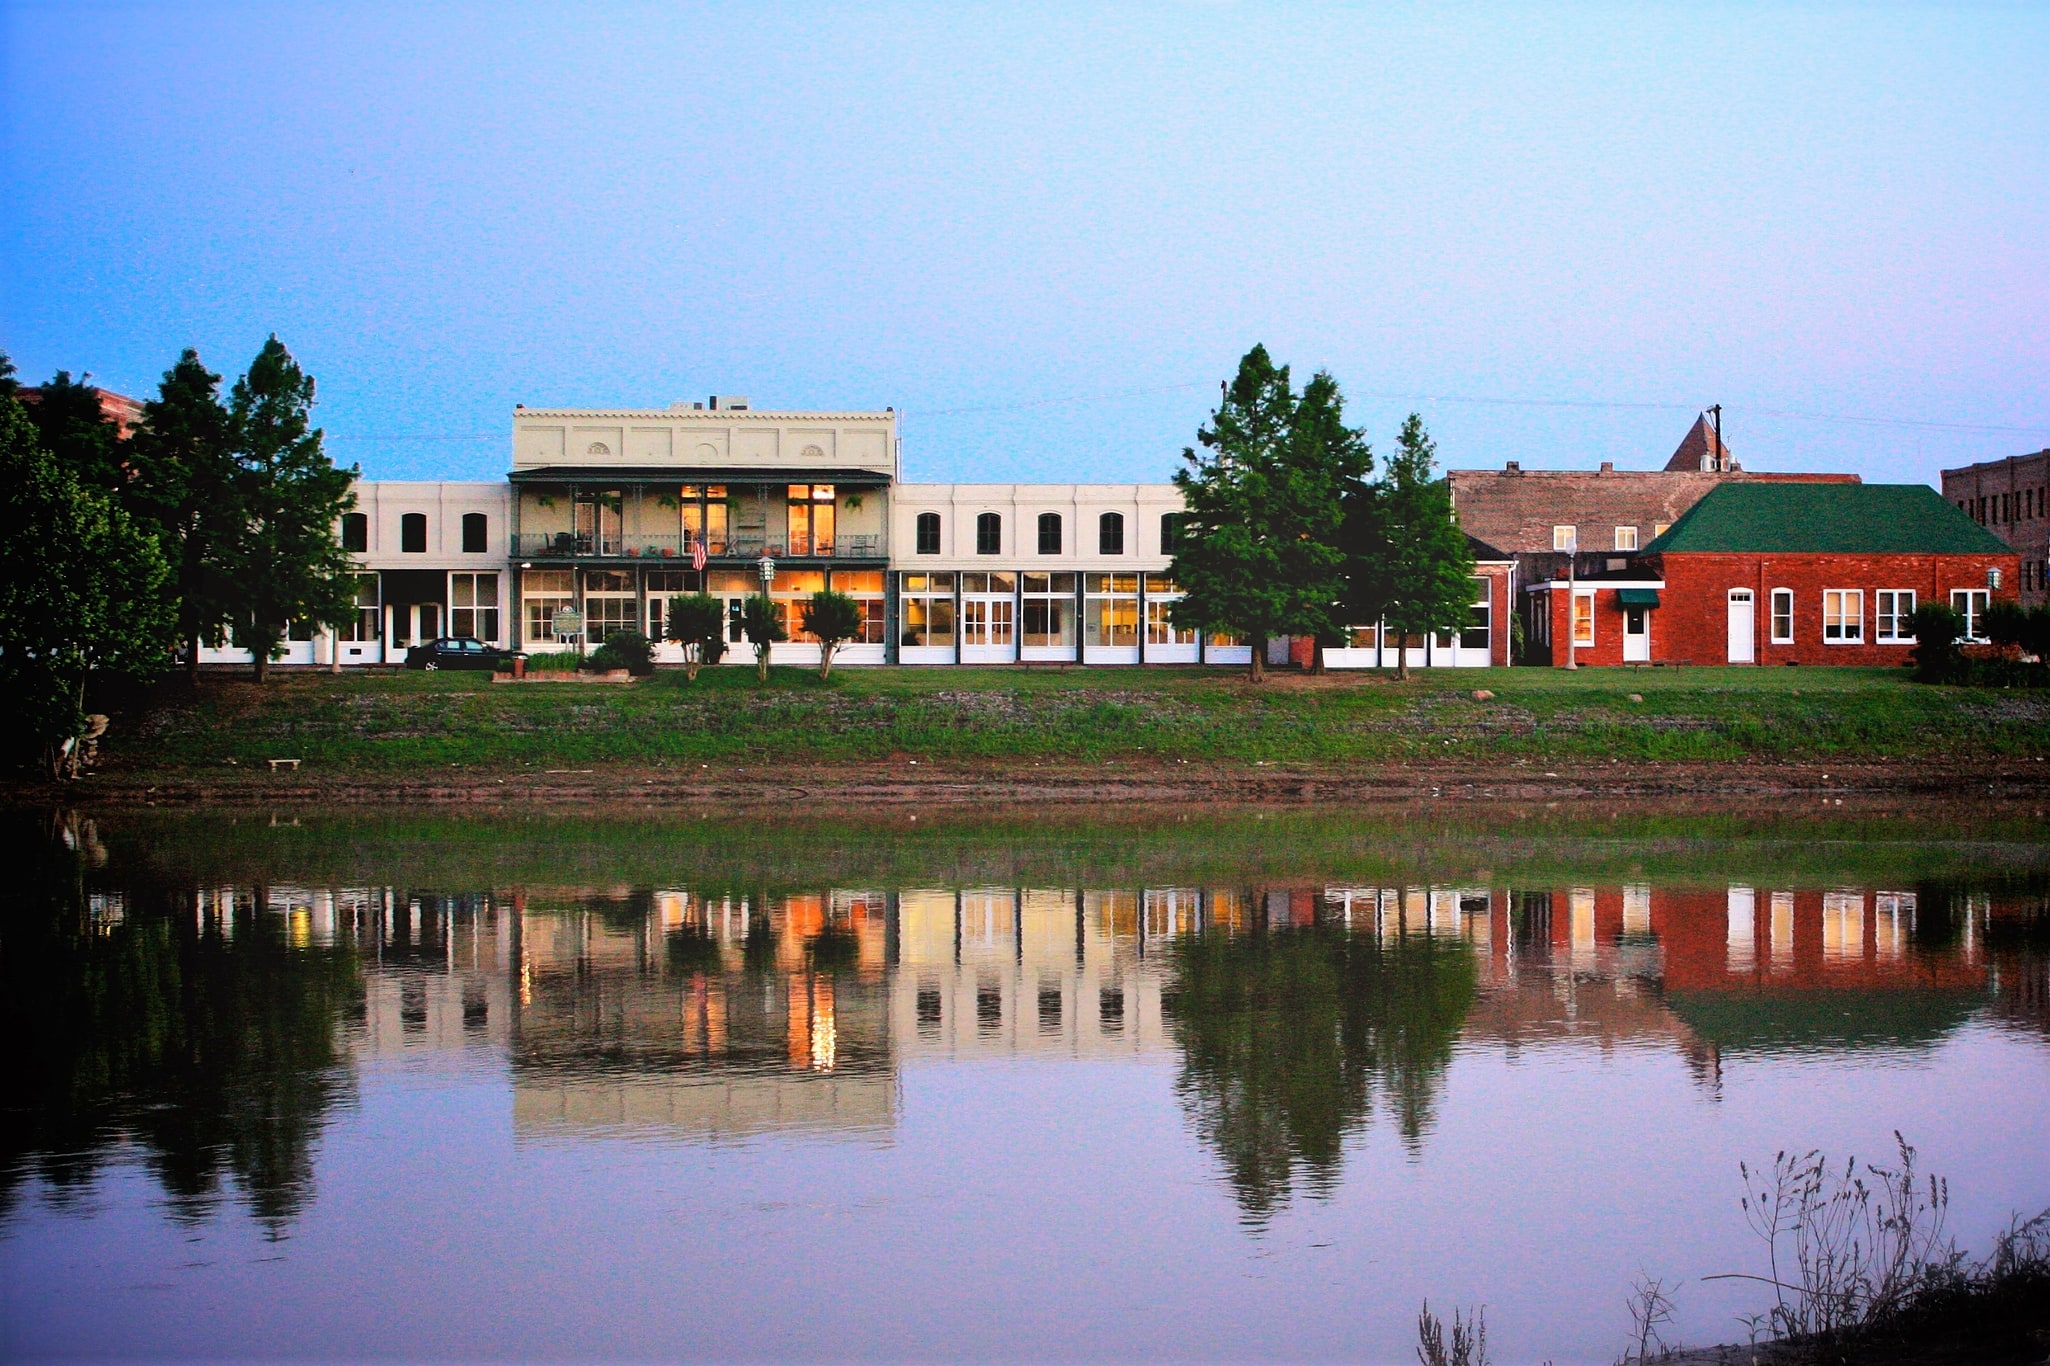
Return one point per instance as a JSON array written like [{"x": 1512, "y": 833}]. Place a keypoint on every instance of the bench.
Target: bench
[{"x": 276, "y": 764}]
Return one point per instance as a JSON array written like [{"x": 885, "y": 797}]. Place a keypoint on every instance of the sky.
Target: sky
[{"x": 1044, "y": 234}]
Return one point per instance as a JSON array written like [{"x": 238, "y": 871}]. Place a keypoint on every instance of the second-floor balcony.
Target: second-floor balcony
[{"x": 570, "y": 545}]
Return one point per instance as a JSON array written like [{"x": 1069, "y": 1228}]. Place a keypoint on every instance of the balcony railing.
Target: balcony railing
[{"x": 569, "y": 545}]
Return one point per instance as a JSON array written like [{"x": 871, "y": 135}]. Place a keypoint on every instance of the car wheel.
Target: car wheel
[{"x": 430, "y": 666}]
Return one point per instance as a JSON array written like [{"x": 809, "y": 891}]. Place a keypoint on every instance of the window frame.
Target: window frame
[
  {"x": 925, "y": 534},
  {"x": 409, "y": 523},
  {"x": 1774, "y": 636},
  {"x": 1110, "y": 533},
  {"x": 1565, "y": 540},
  {"x": 1900, "y": 619},
  {"x": 356, "y": 533},
  {"x": 1971, "y": 604},
  {"x": 1626, "y": 538},
  {"x": 480, "y": 543},
  {"x": 1844, "y": 597},
  {"x": 1574, "y": 619},
  {"x": 1050, "y": 521},
  {"x": 989, "y": 533}
]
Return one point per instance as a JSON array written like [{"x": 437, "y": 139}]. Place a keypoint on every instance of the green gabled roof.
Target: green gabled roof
[{"x": 1799, "y": 518}]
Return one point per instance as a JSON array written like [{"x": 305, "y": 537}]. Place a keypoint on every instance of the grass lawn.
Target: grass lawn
[{"x": 389, "y": 721}]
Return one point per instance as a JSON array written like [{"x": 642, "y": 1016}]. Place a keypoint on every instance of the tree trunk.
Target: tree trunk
[
  {"x": 1317, "y": 656},
  {"x": 762, "y": 662},
  {"x": 262, "y": 656},
  {"x": 693, "y": 660},
  {"x": 1257, "y": 663},
  {"x": 192, "y": 661},
  {"x": 826, "y": 649},
  {"x": 1402, "y": 655}
]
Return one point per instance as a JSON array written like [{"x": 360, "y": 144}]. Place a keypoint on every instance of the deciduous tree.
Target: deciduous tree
[
  {"x": 697, "y": 622},
  {"x": 81, "y": 591},
  {"x": 289, "y": 566},
  {"x": 835, "y": 619}
]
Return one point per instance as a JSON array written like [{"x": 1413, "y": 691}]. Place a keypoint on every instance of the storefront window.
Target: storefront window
[
  {"x": 363, "y": 625},
  {"x": 473, "y": 605},
  {"x": 927, "y": 604},
  {"x": 1111, "y": 609},
  {"x": 792, "y": 590},
  {"x": 1049, "y": 610},
  {"x": 546, "y": 592},
  {"x": 1161, "y": 595},
  {"x": 865, "y": 586}
]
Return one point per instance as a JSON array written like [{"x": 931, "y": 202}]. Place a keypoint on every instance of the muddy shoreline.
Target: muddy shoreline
[{"x": 905, "y": 782}]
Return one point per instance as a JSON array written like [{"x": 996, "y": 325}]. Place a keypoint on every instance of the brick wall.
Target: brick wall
[
  {"x": 1691, "y": 625},
  {"x": 2011, "y": 498}
]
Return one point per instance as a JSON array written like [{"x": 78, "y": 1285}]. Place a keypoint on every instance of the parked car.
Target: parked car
[{"x": 457, "y": 652}]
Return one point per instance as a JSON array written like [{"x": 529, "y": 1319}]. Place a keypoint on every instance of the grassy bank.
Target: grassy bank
[{"x": 393, "y": 722}]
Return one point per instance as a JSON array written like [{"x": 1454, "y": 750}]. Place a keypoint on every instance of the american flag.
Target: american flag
[{"x": 697, "y": 554}]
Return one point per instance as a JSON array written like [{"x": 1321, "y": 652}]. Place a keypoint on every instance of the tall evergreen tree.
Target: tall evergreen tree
[
  {"x": 1328, "y": 466},
  {"x": 186, "y": 488},
  {"x": 1410, "y": 565},
  {"x": 72, "y": 427},
  {"x": 81, "y": 590},
  {"x": 289, "y": 566},
  {"x": 9, "y": 385}
]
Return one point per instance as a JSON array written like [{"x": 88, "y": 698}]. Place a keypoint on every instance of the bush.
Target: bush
[
  {"x": 555, "y": 662},
  {"x": 629, "y": 650},
  {"x": 1937, "y": 631},
  {"x": 835, "y": 619},
  {"x": 2025, "y": 629},
  {"x": 697, "y": 621}
]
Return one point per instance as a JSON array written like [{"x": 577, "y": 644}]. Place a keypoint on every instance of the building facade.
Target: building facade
[
  {"x": 1779, "y": 573},
  {"x": 2011, "y": 499},
  {"x": 609, "y": 513}
]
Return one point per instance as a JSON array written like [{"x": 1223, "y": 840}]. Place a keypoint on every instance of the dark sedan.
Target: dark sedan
[{"x": 457, "y": 652}]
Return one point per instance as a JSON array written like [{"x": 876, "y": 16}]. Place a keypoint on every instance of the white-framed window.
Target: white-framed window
[
  {"x": 1659, "y": 529},
  {"x": 363, "y": 625},
  {"x": 925, "y": 603},
  {"x": 1565, "y": 538},
  {"x": 1843, "y": 616},
  {"x": 473, "y": 606},
  {"x": 1626, "y": 538},
  {"x": 1783, "y": 616},
  {"x": 1476, "y": 634},
  {"x": 1110, "y": 608},
  {"x": 1161, "y": 595},
  {"x": 1894, "y": 610},
  {"x": 865, "y": 586},
  {"x": 1970, "y": 603},
  {"x": 546, "y": 592},
  {"x": 1583, "y": 617}
]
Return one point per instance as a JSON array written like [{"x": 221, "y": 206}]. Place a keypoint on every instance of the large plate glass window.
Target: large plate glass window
[
  {"x": 661, "y": 586},
  {"x": 1895, "y": 611},
  {"x": 792, "y": 590},
  {"x": 1111, "y": 607},
  {"x": 610, "y": 604},
  {"x": 733, "y": 587},
  {"x": 926, "y": 602},
  {"x": 1843, "y": 616},
  {"x": 865, "y": 586},
  {"x": 362, "y": 625},
  {"x": 473, "y": 606},
  {"x": 1049, "y": 607},
  {"x": 1162, "y": 593},
  {"x": 545, "y": 592}
]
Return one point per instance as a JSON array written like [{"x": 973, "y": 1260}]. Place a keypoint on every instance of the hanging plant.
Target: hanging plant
[
  {"x": 854, "y": 502},
  {"x": 542, "y": 500},
  {"x": 665, "y": 501}
]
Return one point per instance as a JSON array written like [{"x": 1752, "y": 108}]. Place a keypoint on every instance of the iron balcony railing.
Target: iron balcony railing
[{"x": 570, "y": 545}]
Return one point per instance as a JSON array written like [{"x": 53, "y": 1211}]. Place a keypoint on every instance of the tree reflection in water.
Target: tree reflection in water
[
  {"x": 130, "y": 1022},
  {"x": 1287, "y": 1034}
]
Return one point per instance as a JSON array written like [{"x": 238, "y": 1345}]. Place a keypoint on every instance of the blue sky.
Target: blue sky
[{"x": 1043, "y": 234}]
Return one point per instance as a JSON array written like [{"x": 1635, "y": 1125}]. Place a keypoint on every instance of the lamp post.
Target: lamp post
[
  {"x": 767, "y": 566},
  {"x": 1573, "y": 600}
]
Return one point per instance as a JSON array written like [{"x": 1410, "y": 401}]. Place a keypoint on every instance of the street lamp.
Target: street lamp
[{"x": 768, "y": 568}]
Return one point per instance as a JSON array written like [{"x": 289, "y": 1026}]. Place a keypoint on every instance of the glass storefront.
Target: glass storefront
[
  {"x": 926, "y": 602},
  {"x": 1048, "y": 614},
  {"x": 544, "y": 592}
]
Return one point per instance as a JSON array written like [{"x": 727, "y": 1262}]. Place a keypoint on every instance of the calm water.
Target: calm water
[{"x": 840, "y": 1100}]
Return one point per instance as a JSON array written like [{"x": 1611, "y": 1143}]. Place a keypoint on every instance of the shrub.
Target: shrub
[
  {"x": 630, "y": 650},
  {"x": 835, "y": 619},
  {"x": 555, "y": 662},
  {"x": 1937, "y": 631},
  {"x": 697, "y": 622}
]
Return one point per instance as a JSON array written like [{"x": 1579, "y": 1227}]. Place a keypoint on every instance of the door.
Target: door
[
  {"x": 1637, "y": 635},
  {"x": 989, "y": 618},
  {"x": 1743, "y": 627}
]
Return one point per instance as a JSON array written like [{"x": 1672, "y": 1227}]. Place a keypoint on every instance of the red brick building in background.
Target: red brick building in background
[
  {"x": 2011, "y": 499},
  {"x": 1778, "y": 573}
]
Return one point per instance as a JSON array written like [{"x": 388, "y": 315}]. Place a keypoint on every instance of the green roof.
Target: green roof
[{"x": 1800, "y": 518}]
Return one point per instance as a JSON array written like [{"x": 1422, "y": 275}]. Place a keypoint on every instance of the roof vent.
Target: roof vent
[
  {"x": 1515, "y": 467},
  {"x": 1608, "y": 467},
  {"x": 729, "y": 403}
]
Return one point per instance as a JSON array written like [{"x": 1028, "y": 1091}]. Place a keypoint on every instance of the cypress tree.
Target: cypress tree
[
  {"x": 186, "y": 488},
  {"x": 1413, "y": 568}
]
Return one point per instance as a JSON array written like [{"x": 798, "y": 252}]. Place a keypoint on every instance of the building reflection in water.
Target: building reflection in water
[{"x": 1295, "y": 1013}]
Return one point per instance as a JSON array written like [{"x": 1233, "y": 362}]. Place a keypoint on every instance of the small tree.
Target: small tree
[
  {"x": 289, "y": 566},
  {"x": 835, "y": 619},
  {"x": 697, "y": 622},
  {"x": 1413, "y": 568},
  {"x": 72, "y": 427},
  {"x": 763, "y": 626},
  {"x": 1937, "y": 631}
]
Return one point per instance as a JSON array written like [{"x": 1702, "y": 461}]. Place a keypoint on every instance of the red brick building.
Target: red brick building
[
  {"x": 2011, "y": 499},
  {"x": 1778, "y": 573}
]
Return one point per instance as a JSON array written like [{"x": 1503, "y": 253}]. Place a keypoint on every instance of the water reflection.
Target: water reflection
[{"x": 213, "y": 1027}]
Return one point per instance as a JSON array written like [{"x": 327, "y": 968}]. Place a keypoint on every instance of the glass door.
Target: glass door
[{"x": 989, "y": 618}]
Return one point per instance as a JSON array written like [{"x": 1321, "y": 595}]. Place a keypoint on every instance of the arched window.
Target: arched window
[
  {"x": 413, "y": 533},
  {"x": 1049, "y": 533},
  {"x": 355, "y": 532},
  {"x": 989, "y": 534},
  {"x": 1110, "y": 534},
  {"x": 476, "y": 531},
  {"x": 928, "y": 541},
  {"x": 1170, "y": 531}
]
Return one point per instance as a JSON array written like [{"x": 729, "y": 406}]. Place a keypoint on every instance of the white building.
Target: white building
[{"x": 608, "y": 513}]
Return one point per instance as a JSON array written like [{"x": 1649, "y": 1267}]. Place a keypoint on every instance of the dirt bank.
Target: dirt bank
[{"x": 903, "y": 781}]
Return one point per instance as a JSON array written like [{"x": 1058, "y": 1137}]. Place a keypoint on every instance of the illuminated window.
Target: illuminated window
[
  {"x": 1626, "y": 538},
  {"x": 1565, "y": 538},
  {"x": 1843, "y": 616},
  {"x": 1583, "y": 617}
]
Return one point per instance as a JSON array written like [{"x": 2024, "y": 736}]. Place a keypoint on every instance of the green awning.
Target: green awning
[{"x": 1638, "y": 597}]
